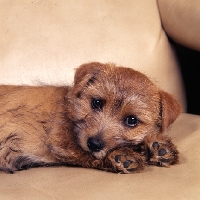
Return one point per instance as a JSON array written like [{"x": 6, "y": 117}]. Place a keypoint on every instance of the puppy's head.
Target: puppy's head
[{"x": 113, "y": 106}]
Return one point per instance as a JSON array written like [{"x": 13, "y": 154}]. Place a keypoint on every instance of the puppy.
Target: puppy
[{"x": 112, "y": 118}]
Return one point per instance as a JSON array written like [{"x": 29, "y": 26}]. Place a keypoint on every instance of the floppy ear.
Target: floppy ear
[
  {"x": 88, "y": 71},
  {"x": 170, "y": 110}
]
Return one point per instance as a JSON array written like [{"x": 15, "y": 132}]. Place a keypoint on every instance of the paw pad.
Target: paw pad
[
  {"x": 162, "y": 153},
  {"x": 117, "y": 158},
  {"x": 125, "y": 160},
  {"x": 126, "y": 163},
  {"x": 155, "y": 145}
]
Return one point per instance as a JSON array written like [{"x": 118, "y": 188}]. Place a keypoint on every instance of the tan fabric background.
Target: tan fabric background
[
  {"x": 43, "y": 41},
  {"x": 180, "y": 20}
]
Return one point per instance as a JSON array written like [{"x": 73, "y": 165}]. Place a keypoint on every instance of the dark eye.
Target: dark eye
[
  {"x": 131, "y": 121},
  {"x": 97, "y": 104}
]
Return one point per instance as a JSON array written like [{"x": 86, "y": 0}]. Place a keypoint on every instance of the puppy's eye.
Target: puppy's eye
[
  {"x": 131, "y": 121},
  {"x": 97, "y": 104}
]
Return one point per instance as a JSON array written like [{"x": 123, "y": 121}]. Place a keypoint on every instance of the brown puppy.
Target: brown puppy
[{"x": 112, "y": 118}]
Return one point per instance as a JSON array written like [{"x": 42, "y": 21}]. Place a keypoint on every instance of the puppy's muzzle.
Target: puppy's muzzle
[{"x": 95, "y": 145}]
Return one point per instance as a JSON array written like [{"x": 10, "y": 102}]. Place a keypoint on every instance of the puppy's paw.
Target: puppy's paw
[
  {"x": 125, "y": 161},
  {"x": 161, "y": 151}
]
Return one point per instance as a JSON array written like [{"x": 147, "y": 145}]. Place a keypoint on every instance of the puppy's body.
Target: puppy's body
[
  {"x": 34, "y": 129},
  {"x": 106, "y": 121}
]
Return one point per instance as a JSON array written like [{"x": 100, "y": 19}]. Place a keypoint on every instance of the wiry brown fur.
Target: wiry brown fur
[{"x": 48, "y": 125}]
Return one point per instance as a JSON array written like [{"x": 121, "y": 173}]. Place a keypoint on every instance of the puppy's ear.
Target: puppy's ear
[
  {"x": 87, "y": 71},
  {"x": 170, "y": 110}
]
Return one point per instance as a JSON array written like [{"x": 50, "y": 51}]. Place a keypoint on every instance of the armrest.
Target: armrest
[{"x": 181, "y": 21}]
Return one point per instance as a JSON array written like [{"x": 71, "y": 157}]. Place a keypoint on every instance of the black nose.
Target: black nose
[{"x": 95, "y": 145}]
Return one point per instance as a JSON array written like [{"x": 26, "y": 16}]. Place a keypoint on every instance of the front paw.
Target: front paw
[
  {"x": 124, "y": 160},
  {"x": 162, "y": 152}
]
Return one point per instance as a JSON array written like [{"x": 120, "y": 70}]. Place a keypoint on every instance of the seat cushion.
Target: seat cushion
[{"x": 181, "y": 181}]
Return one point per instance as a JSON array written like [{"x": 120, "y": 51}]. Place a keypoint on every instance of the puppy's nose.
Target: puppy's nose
[{"x": 95, "y": 145}]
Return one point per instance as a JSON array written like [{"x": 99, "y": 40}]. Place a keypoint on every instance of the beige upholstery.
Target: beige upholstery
[
  {"x": 42, "y": 41},
  {"x": 180, "y": 181},
  {"x": 181, "y": 19}
]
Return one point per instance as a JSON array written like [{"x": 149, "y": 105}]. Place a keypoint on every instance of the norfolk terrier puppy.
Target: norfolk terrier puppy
[{"x": 112, "y": 118}]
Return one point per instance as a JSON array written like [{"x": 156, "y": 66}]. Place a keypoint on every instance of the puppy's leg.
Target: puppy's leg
[
  {"x": 125, "y": 160},
  {"x": 160, "y": 150},
  {"x": 18, "y": 153}
]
